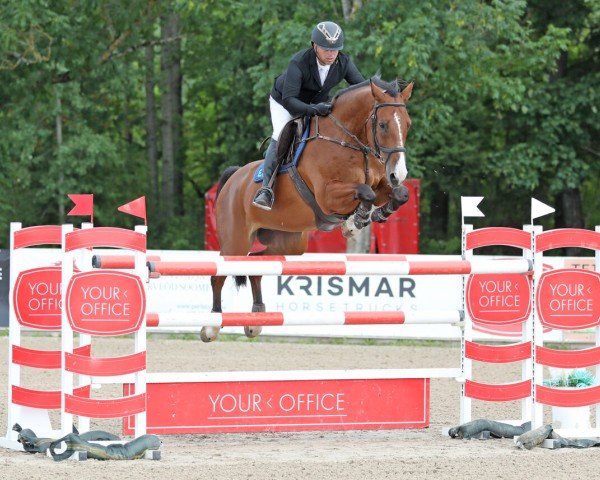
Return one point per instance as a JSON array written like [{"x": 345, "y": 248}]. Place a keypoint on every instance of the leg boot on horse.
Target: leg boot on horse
[{"x": 265, "y": 196}]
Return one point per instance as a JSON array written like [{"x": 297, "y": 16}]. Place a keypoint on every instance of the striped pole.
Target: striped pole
[
  {"x": 181, "y": 320},
  {"x": 298, "y": 266}
]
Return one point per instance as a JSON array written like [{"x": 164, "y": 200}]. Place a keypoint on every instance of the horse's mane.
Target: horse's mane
[{"x": 391, "y": 88}]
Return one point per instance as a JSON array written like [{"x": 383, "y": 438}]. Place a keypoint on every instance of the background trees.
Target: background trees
[{"x": 156, "y": 98}]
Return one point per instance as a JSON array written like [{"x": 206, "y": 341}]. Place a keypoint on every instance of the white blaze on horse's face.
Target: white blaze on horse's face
[{"x": 400, "y": 171}]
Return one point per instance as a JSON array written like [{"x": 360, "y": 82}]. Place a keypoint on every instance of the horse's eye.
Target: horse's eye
[{"x": 382, "y": 125}]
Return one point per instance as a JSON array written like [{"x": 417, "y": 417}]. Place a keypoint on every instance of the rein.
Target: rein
[{"x": 358, "y": 145}]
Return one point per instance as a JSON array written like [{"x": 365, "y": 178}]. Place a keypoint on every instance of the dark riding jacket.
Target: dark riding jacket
[{"x": 300, "y": 84}]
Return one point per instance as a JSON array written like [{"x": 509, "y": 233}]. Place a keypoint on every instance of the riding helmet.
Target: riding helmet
[{"x": 328, "y": 36}]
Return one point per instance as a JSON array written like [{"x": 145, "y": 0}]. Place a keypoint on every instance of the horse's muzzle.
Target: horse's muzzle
[{"x": 396, "y": 170}]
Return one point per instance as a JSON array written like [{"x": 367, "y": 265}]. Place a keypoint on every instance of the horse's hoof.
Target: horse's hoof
[
  {"x": 252, "y": 332},
  {"x": 348, "y": 229},
  {"x": 209, "y": 334},
  {"x": 258, "y": 307},
  {"x": 361, "y": 223}
]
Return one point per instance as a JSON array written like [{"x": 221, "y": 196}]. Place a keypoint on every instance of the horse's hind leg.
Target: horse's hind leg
[
  {"x": 278, "y": 243},
  {"x": 252, "y": 331},
  {"x": 209, "y": 334}
]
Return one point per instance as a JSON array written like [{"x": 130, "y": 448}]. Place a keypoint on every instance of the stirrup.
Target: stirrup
[{"x": 264, "y": 198}]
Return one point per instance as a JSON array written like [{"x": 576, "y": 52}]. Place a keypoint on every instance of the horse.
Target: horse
[{"x": 350, "y": 173}]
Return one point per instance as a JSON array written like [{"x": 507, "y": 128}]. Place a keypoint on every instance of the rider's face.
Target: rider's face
[{"x": 325, "y": 57}]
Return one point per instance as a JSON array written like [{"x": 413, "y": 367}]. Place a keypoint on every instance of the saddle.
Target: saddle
[
  {"x": 288, "y": 140},
  {"x": 290, "y": 146}
]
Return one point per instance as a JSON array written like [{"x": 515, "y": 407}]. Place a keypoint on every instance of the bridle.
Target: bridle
[
  {"x": 379, "y": 148},
  {"x": 366, "y": 150}
]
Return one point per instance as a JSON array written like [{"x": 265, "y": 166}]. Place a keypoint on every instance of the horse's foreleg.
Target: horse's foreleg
[
  {"x": 398, "y": 197},
  {"x": 252, "y": 331},
  {"x": 366, "y": 195},
  {"x": 360, "y": 218},
  {"x": 209, "y": 334}
]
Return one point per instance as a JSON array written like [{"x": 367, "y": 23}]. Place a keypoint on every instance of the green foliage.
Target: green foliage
[
  {"x": 505, "y": 103},
  {"x": 579, "y": 378}
]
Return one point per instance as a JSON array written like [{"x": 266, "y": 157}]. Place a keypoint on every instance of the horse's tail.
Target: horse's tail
[
  {"x": 240, "y": 281},
  {"x": 229, "y": 171}
]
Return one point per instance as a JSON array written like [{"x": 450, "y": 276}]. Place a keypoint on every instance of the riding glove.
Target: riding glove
[{"x": 322, "y": 109}]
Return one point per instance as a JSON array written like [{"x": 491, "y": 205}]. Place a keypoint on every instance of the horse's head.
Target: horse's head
[{"x": 389, "y": 124}]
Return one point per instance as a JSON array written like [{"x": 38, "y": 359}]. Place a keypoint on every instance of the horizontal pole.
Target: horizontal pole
[
  {"x": 296, "y": 375},
  {"x": 117, "y": 262},
  {"x": 181, "y": 320},
  {"x": 243, "y": 266},
  {"x": 284, "y": 375}
]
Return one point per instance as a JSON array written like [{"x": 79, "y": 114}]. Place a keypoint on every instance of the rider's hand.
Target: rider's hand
[{"x": 322, "y": 109}]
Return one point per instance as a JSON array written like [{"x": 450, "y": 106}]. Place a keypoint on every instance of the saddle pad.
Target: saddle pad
[{"x": 258, "y": 174}]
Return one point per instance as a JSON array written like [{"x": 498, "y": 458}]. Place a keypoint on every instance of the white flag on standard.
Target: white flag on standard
[
  {"x": 469, "y": 208},
  {"x": 539, "y": 209}
]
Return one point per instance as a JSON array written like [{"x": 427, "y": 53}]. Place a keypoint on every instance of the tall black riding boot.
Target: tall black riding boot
[{"x": 265, "y": 196}]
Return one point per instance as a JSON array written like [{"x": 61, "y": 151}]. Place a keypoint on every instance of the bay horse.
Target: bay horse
[{"x": 350, "y": 173}]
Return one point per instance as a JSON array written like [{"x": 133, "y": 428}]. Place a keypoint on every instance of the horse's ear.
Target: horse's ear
[
  {"x": 377, "y": 91},
  {"x": 407, "y": 92}
]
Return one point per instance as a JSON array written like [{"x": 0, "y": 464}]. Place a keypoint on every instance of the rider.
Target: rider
[{"x": 303, "y": 89}]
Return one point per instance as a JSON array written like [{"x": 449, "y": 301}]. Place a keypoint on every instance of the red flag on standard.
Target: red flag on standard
[
  {"x": 136, "y": 207},
  {"x": 84, "y": 204}
]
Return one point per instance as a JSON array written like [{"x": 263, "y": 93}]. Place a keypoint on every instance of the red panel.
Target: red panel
[
  {"x": 567, "y": 397},
  {"x": 37, "y": 298},
  {"x": 569, "y": 299},
  {"x": 498, "y": 392},
  {"x": 400, "y": 233},
  {"x": 105, "y": 237},
  {"x": 327, "y": 242},
  {"x": 210, "y": 223},
  {"x": 47, "y": 359},
  {"x": 38, "y": 235},
  {"x": 492, "y": 236},
  {"x": 95, "y": 366},
  {"x": 499, "y": 298},
  {"x": 567, "y": 358},
  {"x": 105, "y": 408},
  {"x": 314, "y": 268},
  {"x": 567, "y": 237},
  {"x": 439, "y": 268},
  {"x": 105, "y": 302},
  {"x": 498, "y": 353},
  {"x": 46, "y": 399},
  {"x": 267, "y": 406}
]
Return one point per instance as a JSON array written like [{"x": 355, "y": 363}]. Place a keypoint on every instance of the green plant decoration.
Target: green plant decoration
[{"x": 579, "y": 378}]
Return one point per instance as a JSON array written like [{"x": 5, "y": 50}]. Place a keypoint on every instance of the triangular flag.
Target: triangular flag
[
  {"x": 136, "y": 207},
  {"x": 468, "y": 205},
  {"x": 84, "y": 204},
  {"x": 539, "y": 209}
]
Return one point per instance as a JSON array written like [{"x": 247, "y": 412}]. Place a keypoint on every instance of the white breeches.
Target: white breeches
[{"x": 279, "y": 117}]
